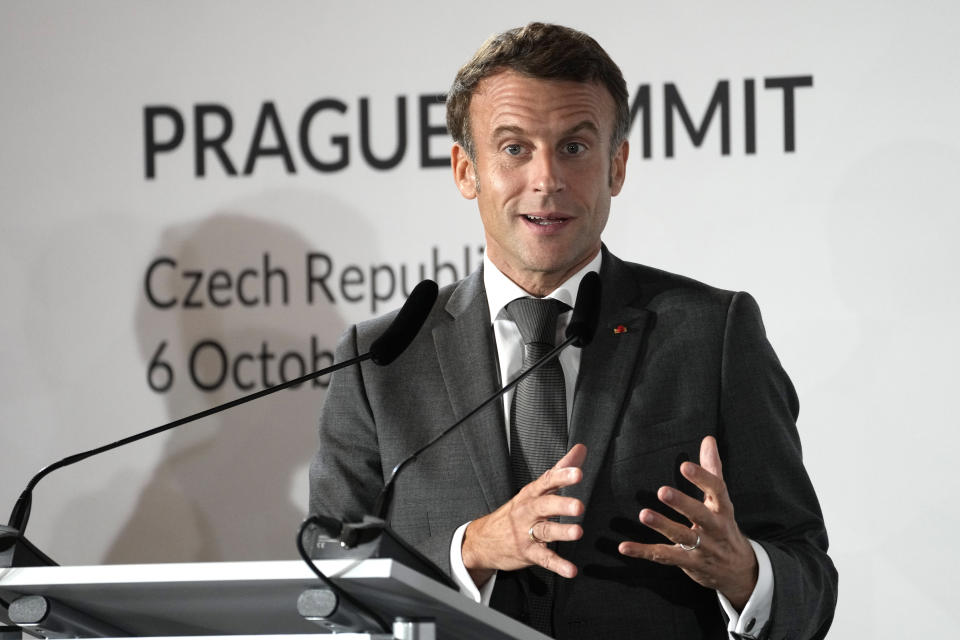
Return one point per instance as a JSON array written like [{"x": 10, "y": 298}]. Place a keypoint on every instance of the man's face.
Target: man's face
[{"x": 543, "y": 174}]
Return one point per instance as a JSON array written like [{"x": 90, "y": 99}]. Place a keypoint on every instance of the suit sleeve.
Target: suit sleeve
[
  {"x": 345, "y": 475},
  {"x": 357, "y": 449},
  {"x": 773, "y": 498}
]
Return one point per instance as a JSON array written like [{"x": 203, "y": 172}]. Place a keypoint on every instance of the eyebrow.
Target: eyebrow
[
  {"x": 584, "y": 125},
  {"x": 507, "y": 128}
]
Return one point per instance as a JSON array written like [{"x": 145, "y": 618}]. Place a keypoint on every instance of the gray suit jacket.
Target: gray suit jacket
[{"x": 693, "y": 361}]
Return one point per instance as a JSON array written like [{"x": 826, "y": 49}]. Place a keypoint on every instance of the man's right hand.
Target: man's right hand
[{"x": 502, "y": 539}]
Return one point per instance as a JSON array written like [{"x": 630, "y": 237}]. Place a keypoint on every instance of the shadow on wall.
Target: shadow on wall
[{"x": 227, "y": 487}]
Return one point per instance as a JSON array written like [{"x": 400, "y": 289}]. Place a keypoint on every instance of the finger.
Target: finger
[
  {"x": 567, "y": 470},
  {"x": 714, "y": 488},
  {"x": 672, "y": 531},
  {"x": 575, "y": 457},
  {"x": 555, "y": 478},
  {"x": 549, "y": 560},
  {"x": 710, "y": 456},
  {"x": 710, "y": 463},
  {"x": 667, "y": 554},
  {"x": 552, "y": 505},
  {"x": 546, "y": 531},
  {"x": 694, "y": 510},
  {"x": 705, "y": 480}
]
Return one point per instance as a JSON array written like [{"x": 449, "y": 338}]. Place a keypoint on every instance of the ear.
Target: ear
[
  {"x": 464, "y": 173},
  {"x": 618, "y": 168}
]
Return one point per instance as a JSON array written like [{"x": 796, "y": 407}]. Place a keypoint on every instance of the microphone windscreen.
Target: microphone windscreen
[
  {"x": 586, "y": 312},
  {"x": 405, "y": 326}
]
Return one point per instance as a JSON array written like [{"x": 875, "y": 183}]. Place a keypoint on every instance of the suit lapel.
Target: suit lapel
[
  {"x": 607, "y": 367},
  {"x": 467, "y": 357}
]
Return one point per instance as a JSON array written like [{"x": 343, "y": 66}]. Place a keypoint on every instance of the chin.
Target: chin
[
  {"x": 546, "y": 267},
  {"x": 555, "y": 259}
]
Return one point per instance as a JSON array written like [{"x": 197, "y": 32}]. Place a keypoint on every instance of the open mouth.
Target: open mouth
[{"x": 545, "y": 222}]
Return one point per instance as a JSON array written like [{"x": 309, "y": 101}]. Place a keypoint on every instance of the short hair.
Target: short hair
[{"x": 538, "y": 50}]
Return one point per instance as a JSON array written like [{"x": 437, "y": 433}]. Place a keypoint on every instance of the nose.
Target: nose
[{"x": 547, "y": 176}]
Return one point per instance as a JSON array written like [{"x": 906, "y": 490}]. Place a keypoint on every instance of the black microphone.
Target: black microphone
[
  {"x": 384, "y": 350},
  {"x": 586, "y": 311},
  {"x": 404, "y": 328}
]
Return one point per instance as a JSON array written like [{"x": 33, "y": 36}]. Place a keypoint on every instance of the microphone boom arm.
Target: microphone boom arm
[
  {"x": 21, "y": 510},
  {"x": 383, "y": 499}
]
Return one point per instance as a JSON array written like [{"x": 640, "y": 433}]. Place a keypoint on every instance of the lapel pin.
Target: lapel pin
[{"x": 619, "y": 329}]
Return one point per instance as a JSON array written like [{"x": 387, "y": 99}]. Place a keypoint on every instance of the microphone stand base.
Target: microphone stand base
[
  {"x": 17, "y": 551},
  {"x": 372, "y": 538}
]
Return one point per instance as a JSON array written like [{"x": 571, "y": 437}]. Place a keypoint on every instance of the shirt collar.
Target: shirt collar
[{"x": 501, "y": 290}]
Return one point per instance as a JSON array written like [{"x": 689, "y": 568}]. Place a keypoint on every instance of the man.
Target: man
[{"x": 621, "y": 533}]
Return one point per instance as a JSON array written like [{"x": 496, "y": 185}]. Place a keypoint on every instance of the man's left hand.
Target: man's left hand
[{"x": 722, "y": 558}]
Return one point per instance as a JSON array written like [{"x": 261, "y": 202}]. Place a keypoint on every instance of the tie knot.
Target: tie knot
[{"x": 536, "y": 318}]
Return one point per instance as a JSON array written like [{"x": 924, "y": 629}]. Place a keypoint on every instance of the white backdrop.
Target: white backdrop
[{"x": 847, "y": 242}]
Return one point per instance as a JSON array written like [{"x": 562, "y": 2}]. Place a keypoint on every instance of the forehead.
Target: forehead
[{"x": 511, "y": 99}]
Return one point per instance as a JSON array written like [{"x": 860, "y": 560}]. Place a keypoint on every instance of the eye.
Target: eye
[
  {"x": 574, "y": 148},
  {"x": 513, "y": 149}
]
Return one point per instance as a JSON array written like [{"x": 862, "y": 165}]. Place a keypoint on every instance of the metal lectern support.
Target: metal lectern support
[
  {"x": 323, "y": 607},
  {"x": 407, "y": 629},
  {"x": 42, "y": 616}
]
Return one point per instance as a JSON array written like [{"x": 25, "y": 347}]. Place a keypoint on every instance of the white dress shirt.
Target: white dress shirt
[{"x": 501, "y": 291}]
